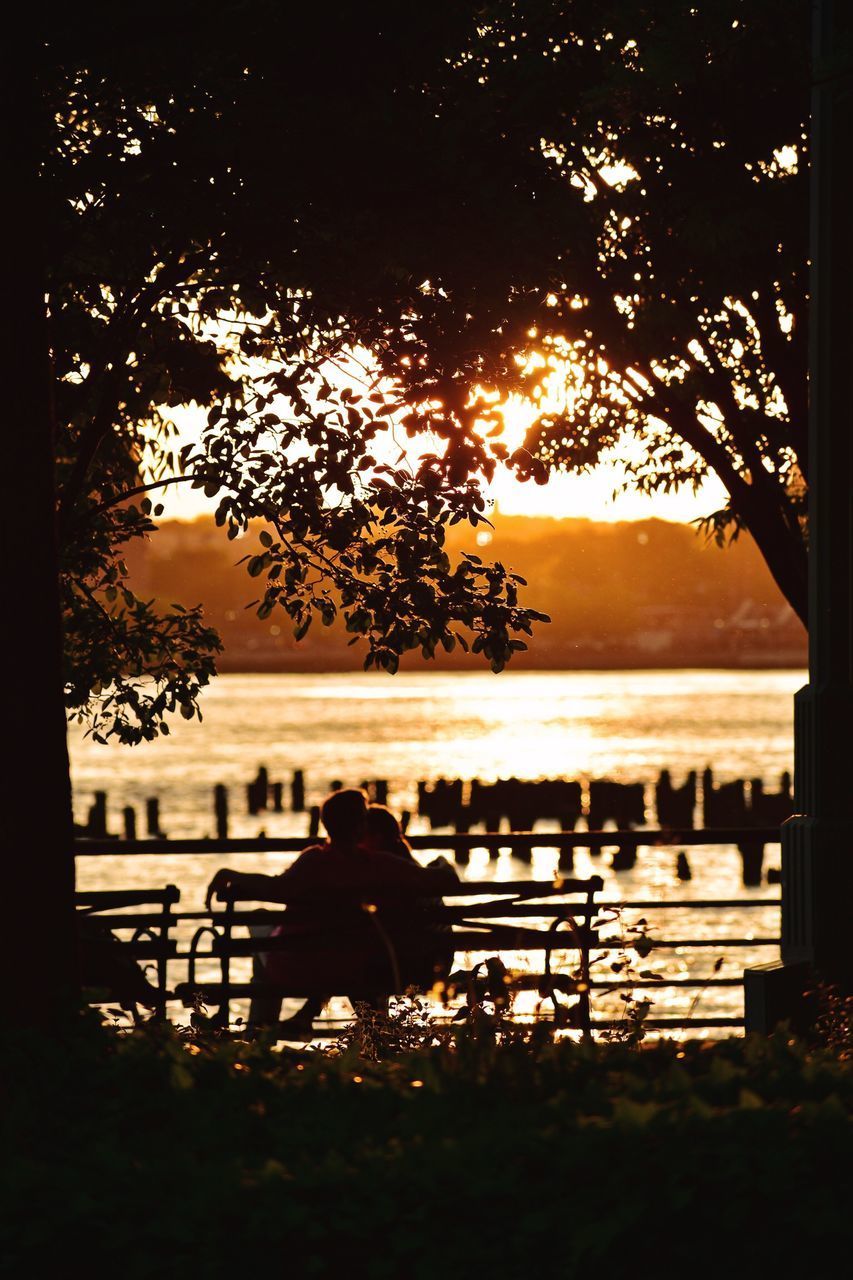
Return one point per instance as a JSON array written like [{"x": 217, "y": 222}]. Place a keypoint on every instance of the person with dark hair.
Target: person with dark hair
[
  {"x": 343, "y": 815},
  {"x": 383, "y": 833},
  {"x": 349, "y": 911}
]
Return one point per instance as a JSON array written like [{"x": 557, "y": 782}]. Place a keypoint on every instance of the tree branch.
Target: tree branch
[
  {"x": 140, "y": 488},
  {"x": 779, "y": 542}
]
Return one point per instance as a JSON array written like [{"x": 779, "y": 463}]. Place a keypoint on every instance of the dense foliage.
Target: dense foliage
[
  {"x": 349, "y": 237},
  {"x": 153, "y": 1154},
  {"x": 682, "y": 130},
  {"x": 232, "y": 216}
]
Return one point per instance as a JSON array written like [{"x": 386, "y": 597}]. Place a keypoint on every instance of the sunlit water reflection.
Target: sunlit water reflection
[{"x": 622, "y": 725}]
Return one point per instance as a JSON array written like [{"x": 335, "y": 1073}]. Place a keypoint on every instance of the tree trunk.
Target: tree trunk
[
  {"x": 785, "y": 554},
  {"x": 36, "y": 831}
]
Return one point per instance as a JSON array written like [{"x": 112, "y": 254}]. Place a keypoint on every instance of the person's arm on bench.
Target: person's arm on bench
[
  {"x": 250, "y": 885},
  {"x": 365, "y": 873}
]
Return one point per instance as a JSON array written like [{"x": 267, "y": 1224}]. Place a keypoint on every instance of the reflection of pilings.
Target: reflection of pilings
[
  {"x": 624, "y": 857},
  {"x": 567, "y": 860},
  {"x": 463, "y": 826},
  {"x": 729, "y": 805},
  {"x": 752, "y": 860}
]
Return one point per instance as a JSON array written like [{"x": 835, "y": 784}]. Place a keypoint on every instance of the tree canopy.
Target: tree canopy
[
  {"x": 344, "y": 229},
  {"x": 682, "y": 129}
]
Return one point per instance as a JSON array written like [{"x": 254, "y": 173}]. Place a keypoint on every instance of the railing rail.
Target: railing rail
[
  {"x": 526, "y": 841},
  {"x": 638, "y": 837}
]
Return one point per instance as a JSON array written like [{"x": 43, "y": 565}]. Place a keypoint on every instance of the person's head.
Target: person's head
[
  {"x": 343, "y": 815},
  {"x": 383, "y": 833}
]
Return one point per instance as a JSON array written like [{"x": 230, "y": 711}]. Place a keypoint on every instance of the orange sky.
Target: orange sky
[
  {"x": 589, "y": 496},
  {"x": 585, "y": 496}
]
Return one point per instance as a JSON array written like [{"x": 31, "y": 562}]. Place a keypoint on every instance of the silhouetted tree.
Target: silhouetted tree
[
  {"x": 332, "y": 226},
  {"x": 242, "y": 202},
  {"x": 681, "y": 129},
  {"x": 235, "y": 212},
  {"x": 37, "y": 865}
]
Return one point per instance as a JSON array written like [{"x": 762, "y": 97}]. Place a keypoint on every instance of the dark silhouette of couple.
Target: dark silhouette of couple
[{"x": 358, "y": 915}]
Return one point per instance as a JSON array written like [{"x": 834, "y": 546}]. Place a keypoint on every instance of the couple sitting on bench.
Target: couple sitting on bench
[{"x": 357, "y": 919}]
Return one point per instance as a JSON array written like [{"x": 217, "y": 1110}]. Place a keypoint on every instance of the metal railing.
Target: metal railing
[
  {"x": 636, "y": 837},
  {"x": 199, "y": 922}
]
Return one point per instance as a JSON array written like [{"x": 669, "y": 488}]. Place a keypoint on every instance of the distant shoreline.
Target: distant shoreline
[{"x": 750, "y": 662}]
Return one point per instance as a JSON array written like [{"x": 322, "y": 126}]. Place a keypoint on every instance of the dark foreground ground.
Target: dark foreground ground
[{"x": 156, "y": 1156}]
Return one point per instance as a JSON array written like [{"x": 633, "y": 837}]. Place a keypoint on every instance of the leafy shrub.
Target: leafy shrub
[{"x": 153, "y": 1154}]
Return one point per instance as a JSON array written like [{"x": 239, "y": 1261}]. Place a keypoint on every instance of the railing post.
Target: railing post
[
  {"x": 172, "y": 895},
  {"x": 817, "y": 844},
  {"x": 223, "y": 1018},
  {"x": 817, "y": 849}
]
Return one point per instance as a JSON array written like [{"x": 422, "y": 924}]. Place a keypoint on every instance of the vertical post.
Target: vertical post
[
  {"x": 223, "y": 1017},
  {"x": 97, "y": 824},
  {"x": 171, "y": 896},
  {"x": 220, "y": 810},
  {"x": 817, "y": 847},
  {"x": 129, "y": 817},
  {"x": 152, "y": 818}
]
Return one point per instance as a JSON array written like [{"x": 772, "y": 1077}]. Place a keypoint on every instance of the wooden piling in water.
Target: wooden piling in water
[
  {"x": 314, "y": 822},
  {"x": 675, "y": 806},
  {"x": 220, "y": 810},
  {"x": 152, "y": 818},
  {"x": 256, "y": 793},
  {"x": 128, "y": 814},
  {"x": 97, "y": 820},
  {"x": 276, "y": 792},
  {"x": 297, "y": 792}
]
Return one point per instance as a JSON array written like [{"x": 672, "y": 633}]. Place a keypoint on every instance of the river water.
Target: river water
[{"x": 623, "y": 725}]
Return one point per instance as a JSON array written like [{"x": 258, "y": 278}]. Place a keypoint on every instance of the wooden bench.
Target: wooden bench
[
  {"x": 151, "y": 931},
  {"x": 508, "y": 916}
]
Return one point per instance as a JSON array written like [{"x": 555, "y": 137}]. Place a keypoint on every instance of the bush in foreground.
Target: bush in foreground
[{"x": 151, "y": 1154}]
